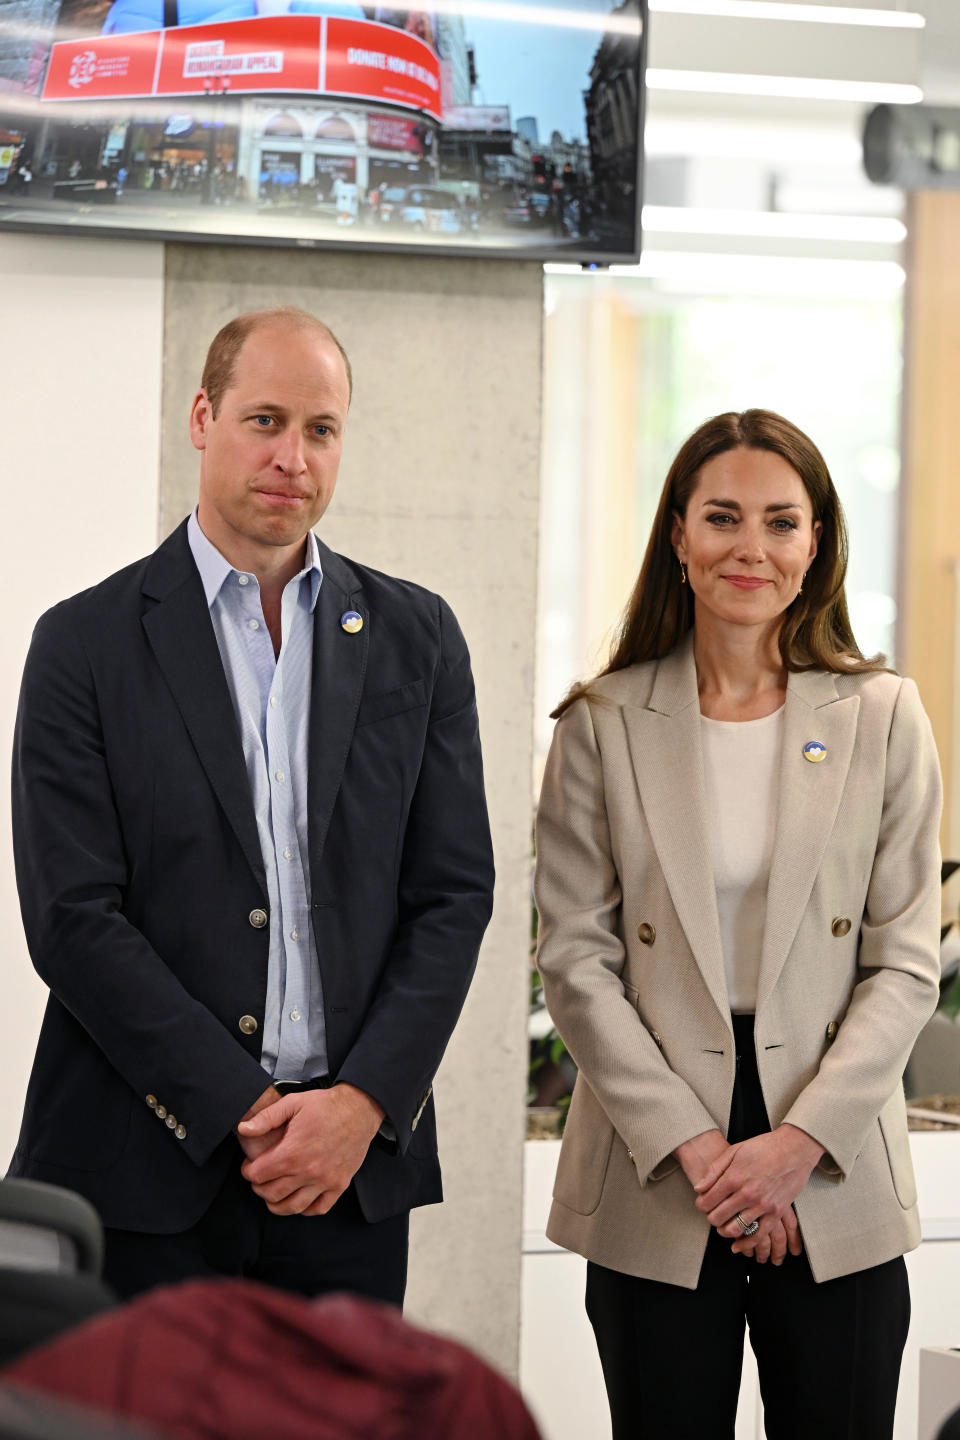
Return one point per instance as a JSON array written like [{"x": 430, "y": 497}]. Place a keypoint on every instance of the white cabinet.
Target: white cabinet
[
  {"x": 934, "y": 1269},
  {"x": 939, "y": 1389},
  {"x": 559, "y": 1369}
]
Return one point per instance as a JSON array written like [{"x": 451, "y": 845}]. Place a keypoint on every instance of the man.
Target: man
[{"x": 253, "y": 861}]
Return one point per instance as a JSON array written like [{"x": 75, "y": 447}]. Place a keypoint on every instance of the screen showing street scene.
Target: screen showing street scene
[{"x": 483, "y": 125}]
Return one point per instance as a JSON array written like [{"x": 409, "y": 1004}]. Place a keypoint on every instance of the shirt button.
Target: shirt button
[
  {"x": 243, "y": 579},
  {"x": 279, "y": 776},
  {"x": 294, "y": 933},
  {"x": 274, "y": 702},
  {"x": 294, "y": 1013},
  {"x": 288, "y": 853},
  {"x": 253, "y": 624}
]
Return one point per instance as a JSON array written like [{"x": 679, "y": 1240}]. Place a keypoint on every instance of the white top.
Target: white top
[{"x": 741, "y": 763}]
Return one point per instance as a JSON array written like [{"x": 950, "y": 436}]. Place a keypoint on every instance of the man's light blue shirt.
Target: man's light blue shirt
[{"x": 271, "y": 700}]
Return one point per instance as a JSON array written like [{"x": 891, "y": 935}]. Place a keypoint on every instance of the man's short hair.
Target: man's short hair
[{"x": 221, "y": 361}]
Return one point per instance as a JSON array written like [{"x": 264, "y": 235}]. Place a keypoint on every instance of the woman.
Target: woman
[{"x": 738, "y": 886}]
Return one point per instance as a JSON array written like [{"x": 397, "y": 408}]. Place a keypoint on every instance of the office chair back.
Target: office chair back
[
  {"x": 44, "y": 1227},
  {"x": 51, "y": 1255}
]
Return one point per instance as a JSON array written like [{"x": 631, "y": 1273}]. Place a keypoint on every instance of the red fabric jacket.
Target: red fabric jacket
[{"x": 234, "y": 1360}]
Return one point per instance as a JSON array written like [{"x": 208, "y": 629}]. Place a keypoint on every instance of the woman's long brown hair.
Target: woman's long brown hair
[{"x": 815, "y": 633}]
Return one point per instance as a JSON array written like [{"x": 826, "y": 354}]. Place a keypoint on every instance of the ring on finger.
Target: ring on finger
[{"x": 748, "y": 1227}]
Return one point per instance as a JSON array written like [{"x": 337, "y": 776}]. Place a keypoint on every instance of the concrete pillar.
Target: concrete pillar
[{"x": 439, "y": 484}]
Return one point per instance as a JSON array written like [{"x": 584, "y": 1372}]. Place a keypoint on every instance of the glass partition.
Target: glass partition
[{"x": 634, "y": 364}]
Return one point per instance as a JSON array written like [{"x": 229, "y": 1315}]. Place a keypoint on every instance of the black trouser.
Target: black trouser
[
  {"x": 828, "y": 1355},
  {"x": 238, "y": 1236}
]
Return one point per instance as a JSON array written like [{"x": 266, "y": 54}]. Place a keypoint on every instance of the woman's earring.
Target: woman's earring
[{"x": 683, "y": 573}]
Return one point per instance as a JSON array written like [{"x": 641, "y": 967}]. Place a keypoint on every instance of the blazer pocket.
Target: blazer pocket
[
  {"x": 89, "y": 1146},
  {"x": 585, "y": 1152},
  {"x": 893, "y": 1128},
  {"x": 391, "y": 702}
]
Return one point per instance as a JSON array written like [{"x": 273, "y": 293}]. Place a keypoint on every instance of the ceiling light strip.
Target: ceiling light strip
[
  {"x": 776, "y": 275},
  {"x": 772, "y": 225},
  {"x": 784, "y": 87},
  {"x": 783, "y": 10}
]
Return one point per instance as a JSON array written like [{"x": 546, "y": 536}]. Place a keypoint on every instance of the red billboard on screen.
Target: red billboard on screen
[
  {"x": 292, "y": 53},
  {"x": 394, "y": 132},
  {"x": 381, "y": 63},
  {"x": 108, "y": 65},
  {"x": 275, "y": 52}
]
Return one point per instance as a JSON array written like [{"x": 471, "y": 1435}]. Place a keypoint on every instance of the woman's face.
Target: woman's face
[{"x": 747, "y": 538}]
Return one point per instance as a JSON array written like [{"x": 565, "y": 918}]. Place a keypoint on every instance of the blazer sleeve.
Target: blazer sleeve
[
  {"x": 899, "y": 955},
  {"x": 444, "y": 903},
  {"x": 581, "y": 955},
  {"x": 73, "y": 871}
]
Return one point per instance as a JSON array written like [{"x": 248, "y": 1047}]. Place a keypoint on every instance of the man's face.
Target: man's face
[{"x": 269, "y": 459}]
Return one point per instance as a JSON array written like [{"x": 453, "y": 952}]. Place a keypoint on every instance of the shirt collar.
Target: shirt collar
[{"x": 215, "y": 568}]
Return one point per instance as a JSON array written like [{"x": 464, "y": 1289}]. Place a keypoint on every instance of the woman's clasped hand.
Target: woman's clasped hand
[{"x": 756, "y": 1179}]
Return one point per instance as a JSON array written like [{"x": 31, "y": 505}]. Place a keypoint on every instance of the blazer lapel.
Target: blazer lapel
[
  {"x": 807, "y": 807},
  {"x": 339, "y": 667},
  {"x": 667, "y": 757},
  {"x": 181, "y": 635}
]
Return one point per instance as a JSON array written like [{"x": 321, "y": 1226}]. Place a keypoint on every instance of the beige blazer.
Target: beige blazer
[{"x": 633, "y": 970}]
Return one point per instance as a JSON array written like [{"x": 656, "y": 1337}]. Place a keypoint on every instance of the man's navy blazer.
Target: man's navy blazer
[{"x": 142, "y": 885}]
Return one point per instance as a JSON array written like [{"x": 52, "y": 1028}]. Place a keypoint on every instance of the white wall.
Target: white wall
[{"x": 80, "y": 357}]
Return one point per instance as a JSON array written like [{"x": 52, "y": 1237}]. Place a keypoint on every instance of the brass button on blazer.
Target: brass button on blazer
[
  {"x": 248, "y": 1024},
  {"x": 840, "y": 927},
  {"x": 646, "y": 933}
]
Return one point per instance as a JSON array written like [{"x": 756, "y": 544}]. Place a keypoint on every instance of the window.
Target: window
[{"x": 634, "y": 364}]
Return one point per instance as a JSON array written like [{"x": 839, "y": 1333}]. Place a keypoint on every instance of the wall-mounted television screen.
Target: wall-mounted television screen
[{"x": 483, "y": 126}]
